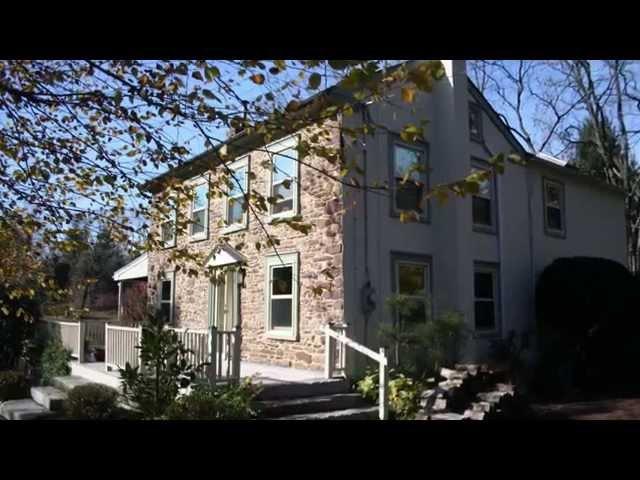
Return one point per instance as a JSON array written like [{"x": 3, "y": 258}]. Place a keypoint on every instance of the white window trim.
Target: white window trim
[
  {"x": 548, "y": 230},
  {"x": 244, "y": 223},
  {"x": 168, "y": 277},
  {"x": 477, "y": 164},
  {"x": 199, "y": 181},
  {"x": 273, "y": 149},
  {"x": 494, "y": 270},
  {"x": 288, "y": 259}
]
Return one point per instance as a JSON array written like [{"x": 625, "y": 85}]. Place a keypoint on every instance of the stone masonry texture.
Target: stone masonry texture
[{"x": 321, "y": 206}]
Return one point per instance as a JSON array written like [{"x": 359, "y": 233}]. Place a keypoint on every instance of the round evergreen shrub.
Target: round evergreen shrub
[
  {"x": 13, "y": 385},
  {"x": 92, "y": 401},
  {"x": 587, "y": 312},
  {"x": 225, "y": 402},
  {"x": 55, "y": 360}
]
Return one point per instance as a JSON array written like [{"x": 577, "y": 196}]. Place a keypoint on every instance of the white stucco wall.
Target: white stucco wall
[{"x": 595, "y": 218}]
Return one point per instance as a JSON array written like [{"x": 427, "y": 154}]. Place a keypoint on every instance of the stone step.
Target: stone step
[
  {"x": 50, "y": 398},
  {"x": 69, "y": 382},
  {"x": 25, "y": 409},
  {"x": 295, "y": 406},
  {"x": 447, "y": 416},
  {"x": 308, "y": 388},
  {"x": 366, "y": 413}
]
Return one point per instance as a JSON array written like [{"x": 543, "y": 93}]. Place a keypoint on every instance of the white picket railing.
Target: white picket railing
[
  {"x": 120, "y": 346},
  {"x": 70, "y": 333},
  {"x": 217, "y": 348},
  {"x": 336, "y": 342},
  {"x": 95, "y": 332}
]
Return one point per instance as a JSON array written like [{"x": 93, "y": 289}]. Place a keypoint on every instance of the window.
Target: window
[
  {"x": 475, "y": 122},
  {"x": 554, "y": 220},
  {"x": 168, "y": 232},
  {"x": 412, "y": 286},
  {"x": 409, "y": 171},
  {"x": 284, "y": 178},
  {"x": 235, "y": 215},
  {"x": 165, "y": 299},
  {"x": 483, "y": 206},
  {"x": 199, "y": 212},
  {"x": 486, "y": 300},
  {"x": 282, "y": 296}
]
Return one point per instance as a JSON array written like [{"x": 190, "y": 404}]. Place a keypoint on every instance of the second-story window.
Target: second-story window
[
  {"x": 235, "y": 212},
  {"x": 199, "y": 211},
  {"x": 410, "y": 179},
  {"x": 483, "y": 206},
  {"x": 284, "y": 178},
  {"x": 475, "y": 122},
  {"x": 554, "y": 217}
]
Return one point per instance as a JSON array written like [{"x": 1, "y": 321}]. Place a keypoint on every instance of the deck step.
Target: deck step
[
  {"x": 50, "y": 398},
  {"x": 25, "y": 409},
  {"x": 69, "y": 382},
  {"x": 296, "y": 406},
  {"x": 366, "y": 413},
  {"x": 302, "y": 389}
]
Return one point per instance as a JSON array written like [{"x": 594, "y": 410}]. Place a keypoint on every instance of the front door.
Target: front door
[{"x": 224, "y": 306}]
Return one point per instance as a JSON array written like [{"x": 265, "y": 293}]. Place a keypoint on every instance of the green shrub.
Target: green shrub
[
  {"x": 55, "y": 360},
  {"x": 13, "y": 385},
  {"x": 404, "y": 393},
  {"x": 17, "y": 327},
  {"x": 420, "y": 350},
  {"x": 92, "y": 402},
  {"x": 165, "y": 370},
  {"x": 228, "y": 402},
  {"x": 587, "y": 318}
]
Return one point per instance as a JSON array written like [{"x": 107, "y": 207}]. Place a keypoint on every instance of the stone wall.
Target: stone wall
[{"x": 320, "y": 205}]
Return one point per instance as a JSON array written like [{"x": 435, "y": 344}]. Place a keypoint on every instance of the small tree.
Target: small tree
[{"x": 164, "y": 369}]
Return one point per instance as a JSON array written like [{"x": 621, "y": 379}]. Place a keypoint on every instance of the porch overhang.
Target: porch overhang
[
  {"x": 225, "y": 255},
  {"x": 137, "y": 268}
]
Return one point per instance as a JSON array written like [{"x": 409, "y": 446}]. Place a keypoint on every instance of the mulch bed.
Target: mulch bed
[{"x": 605, "y": 409}]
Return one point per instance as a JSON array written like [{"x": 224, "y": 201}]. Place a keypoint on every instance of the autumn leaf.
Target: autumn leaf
[{"x": 257, "y": 78}]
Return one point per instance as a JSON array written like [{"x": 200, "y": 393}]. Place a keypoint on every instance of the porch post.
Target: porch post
[
  {"x": 119, "y": 299},
  {"x": 213, "y": 337},
  {"x": 82, "y": 326},
  {"x": 383, "y": 411}
]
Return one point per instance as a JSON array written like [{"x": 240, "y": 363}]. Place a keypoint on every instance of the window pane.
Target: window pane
[
  {"x": 241, "y": 177},
  {"x": 409, "y": 196},
  {"x": 167, "y": 232},
  {"x": 411, "y": 279},
  {"x": 166, "y": 290},
  {"x": 554, "y": 218},
  {"x": 407, "y": 160},
  {"x": 283, "y": 191},
  {"x": 200, "y": 197},
  {"x": 281, "y": 280},
  {"x": 415, "y": 311},
  {"x": 283, "y": 206},
  {"x": 474, "y": 122},
  {"x": 284, "y": 164},
  {"x": 483, "y": 285},
  {"x": 198, "y": 226},
  {"x": 553, "y": 196},
  {"x": 482, "y": 211},
  {"x": 165, "y": 312},
  {"x": 485, "y": 315},
  {"x": 235, "y": 210},
  {"x": 281, "y": 313}
]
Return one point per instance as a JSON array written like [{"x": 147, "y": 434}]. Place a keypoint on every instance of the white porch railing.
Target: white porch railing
[
  {"x": 336, "y": 342},
  {"x": 220, "y": 349},
  {"x": 71, "y": 334}
]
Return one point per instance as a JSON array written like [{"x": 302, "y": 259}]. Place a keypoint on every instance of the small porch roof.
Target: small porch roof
[
  {"x": 225, "y": 255},
  {"x": 135, "y": 269}
]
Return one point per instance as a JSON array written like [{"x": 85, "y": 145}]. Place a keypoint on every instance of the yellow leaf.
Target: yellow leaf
[{"x": 408, "y": 94}]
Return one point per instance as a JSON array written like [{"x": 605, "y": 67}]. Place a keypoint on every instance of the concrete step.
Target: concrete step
[
  {"x": 69, "y": 382},
  {"x": 25, "y": 409},
  {"x": 296, "y": 406},
  {"x": 302, "y": 389},
  {"x": 50, "y": 398},
  {"x": 366, "y": 413}
]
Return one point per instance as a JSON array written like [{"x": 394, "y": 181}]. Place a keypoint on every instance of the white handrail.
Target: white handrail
[{"x": 331, "y": 336}]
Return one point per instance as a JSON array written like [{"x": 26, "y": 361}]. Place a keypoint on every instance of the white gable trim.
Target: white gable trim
[
  {"x": 137, "y": 268},
  {"x": 225, "y": 255}
]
